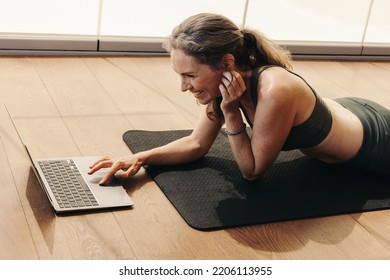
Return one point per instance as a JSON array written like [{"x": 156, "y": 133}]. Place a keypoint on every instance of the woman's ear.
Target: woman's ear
[{"x": 227, "y": 62}]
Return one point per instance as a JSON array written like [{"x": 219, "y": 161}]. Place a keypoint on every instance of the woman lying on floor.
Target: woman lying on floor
[{"x": 231, "y": 70}]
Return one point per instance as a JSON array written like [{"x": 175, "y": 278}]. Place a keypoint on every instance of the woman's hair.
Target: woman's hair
[{"x": 208, "y": 37}]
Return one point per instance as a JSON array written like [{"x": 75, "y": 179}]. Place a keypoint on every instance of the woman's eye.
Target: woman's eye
[{"x": 189, "y": 75}]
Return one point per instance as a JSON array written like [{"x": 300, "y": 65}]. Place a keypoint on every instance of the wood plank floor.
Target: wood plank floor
[{"x": 82, "y": 106}]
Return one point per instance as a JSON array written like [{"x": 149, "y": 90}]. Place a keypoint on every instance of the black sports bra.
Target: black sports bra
[{"x": 311, "y": 132}]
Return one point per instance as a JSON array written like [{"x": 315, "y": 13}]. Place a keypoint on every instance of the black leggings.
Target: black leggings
[{"x": 374, "y": 155}]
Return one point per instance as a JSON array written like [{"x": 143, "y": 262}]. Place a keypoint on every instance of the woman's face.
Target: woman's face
[{"x": 199, "y": 79}]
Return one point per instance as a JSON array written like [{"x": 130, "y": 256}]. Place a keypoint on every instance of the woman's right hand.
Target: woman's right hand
[{"x": 129, "y": 165}]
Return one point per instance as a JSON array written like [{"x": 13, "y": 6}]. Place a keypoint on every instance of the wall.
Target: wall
[{"x": 347, "y": 27}]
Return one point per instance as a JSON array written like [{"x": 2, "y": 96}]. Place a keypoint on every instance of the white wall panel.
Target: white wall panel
[
  {"x": 76, "y": 17},
  {"x": 377, "y": 38},
  {"x": 304, "y": 26},
  {"x": 156, "y": 18},
  {"x": 141, "y": 25},
  {"x": 308, "y": 20},
  {"x": 332, "y": 25},
  {"x": 49, "y": 24}
]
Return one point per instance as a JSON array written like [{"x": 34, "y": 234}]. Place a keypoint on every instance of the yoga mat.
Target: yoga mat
[{"x": 211, "y": 194}]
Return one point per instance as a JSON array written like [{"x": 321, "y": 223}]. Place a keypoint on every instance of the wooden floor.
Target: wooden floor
[{"x": 82, "y": 106}]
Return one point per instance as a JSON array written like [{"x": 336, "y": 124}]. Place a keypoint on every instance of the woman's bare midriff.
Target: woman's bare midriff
[{"x": 344, "y": 139}]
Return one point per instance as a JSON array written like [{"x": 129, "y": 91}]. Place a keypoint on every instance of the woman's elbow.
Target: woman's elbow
[
  {"x": 252, "y": 173},
  {"x": 198, "y": 150},
  {"x": 252, "y": 176}
]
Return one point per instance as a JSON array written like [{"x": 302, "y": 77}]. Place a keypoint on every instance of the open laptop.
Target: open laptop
[{"x": 70, "y": 188}]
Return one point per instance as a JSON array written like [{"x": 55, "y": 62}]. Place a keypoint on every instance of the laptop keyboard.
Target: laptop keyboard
[{"x": 67, "y": 184}]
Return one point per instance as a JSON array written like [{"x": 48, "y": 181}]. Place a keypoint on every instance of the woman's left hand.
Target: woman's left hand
[{"x": 232, "y": 89}]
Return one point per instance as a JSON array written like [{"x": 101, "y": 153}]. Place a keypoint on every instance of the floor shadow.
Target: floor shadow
[
  {"x": 289, "y": 236},
  {"x": 41, "y": 208}
]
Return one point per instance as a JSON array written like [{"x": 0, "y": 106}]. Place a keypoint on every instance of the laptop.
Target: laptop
[{"x": 70, "y": 188}]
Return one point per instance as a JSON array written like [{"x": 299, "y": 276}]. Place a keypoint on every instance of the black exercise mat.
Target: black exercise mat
[{"x": 211, "y": 193}]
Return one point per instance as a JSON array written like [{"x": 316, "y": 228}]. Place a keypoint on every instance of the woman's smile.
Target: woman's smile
[{"x": 198, "y": 94}]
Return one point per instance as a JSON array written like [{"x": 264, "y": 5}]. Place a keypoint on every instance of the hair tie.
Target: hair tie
[
  {"x": 249, "y": 40},
  {"x": 250, "y": 44}
]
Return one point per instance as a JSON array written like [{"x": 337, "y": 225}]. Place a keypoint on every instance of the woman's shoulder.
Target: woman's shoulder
[
  {"x": 286, "y": 93},
  {"x": 277, "y": 81},
  {"x": 275, "y": 73}
]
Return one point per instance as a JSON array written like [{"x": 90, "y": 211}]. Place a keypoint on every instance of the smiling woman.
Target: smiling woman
[
  {"x": 233, "y": 71},
  {"x": 199, "y": 79},
  {"x": 199, "y": 37}
]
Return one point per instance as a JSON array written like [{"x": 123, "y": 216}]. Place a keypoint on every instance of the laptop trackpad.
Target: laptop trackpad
[{"x": 98, "y": 176}]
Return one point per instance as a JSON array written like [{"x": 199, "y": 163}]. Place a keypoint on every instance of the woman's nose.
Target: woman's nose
[{"x": 185, "y": 85}]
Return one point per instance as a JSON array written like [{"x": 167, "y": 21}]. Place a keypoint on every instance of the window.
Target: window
[{"x": 304, "y": 26}]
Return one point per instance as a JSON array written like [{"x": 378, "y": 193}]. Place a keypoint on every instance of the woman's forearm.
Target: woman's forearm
[
  {"x": 183, "y": 150},
  {"x": 241, "y": 146}
]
